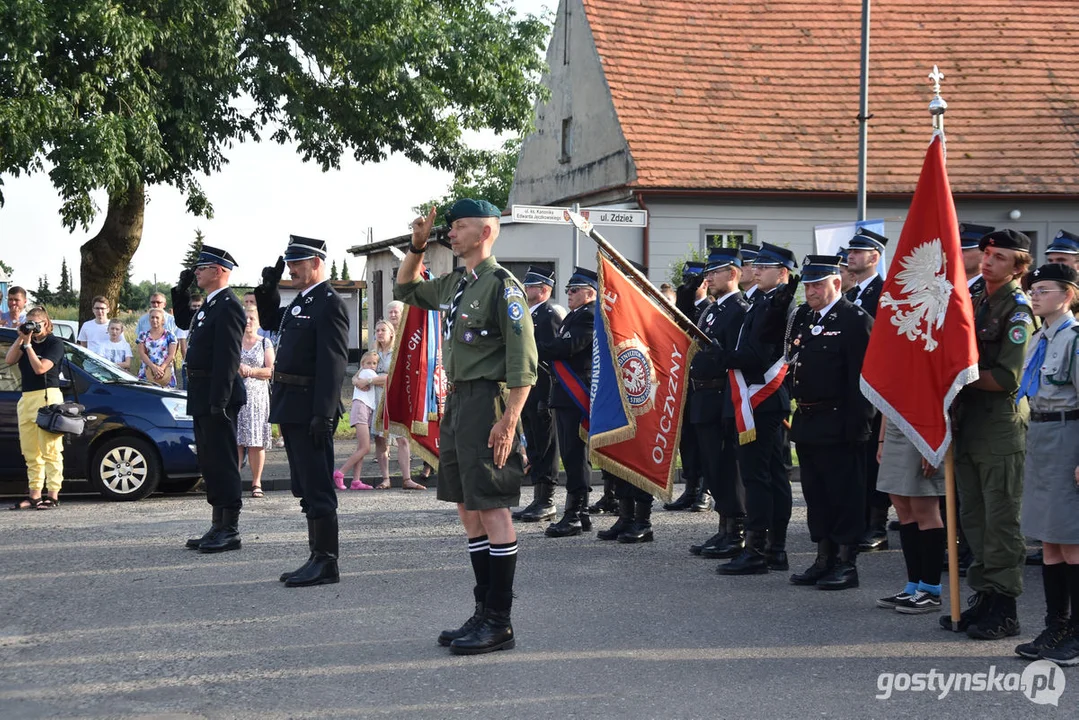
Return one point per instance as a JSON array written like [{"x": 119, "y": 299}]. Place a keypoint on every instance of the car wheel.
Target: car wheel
[
  {"x": 125, "y": 468},
  {"x": 179, "y": 486}
]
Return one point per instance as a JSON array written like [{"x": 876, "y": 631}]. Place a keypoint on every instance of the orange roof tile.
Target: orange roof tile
[{"x": 763, "y": 95}]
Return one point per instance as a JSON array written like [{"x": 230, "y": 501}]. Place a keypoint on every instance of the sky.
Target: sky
[{"x": 262, "y": 196}]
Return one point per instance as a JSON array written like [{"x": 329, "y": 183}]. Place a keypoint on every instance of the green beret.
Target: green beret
[{"x": 467, "y": 207}]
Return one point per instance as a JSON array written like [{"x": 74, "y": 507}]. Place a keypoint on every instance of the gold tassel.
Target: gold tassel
[{"x": 744, "y": 438}]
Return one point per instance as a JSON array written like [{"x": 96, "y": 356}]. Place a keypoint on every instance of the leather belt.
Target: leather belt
[
  {"x": 287, "y": 379},
  {"x": 813, "y": 406},
  {"x": 1058, "y": 416},
  {"x": 703, "y": 384}
]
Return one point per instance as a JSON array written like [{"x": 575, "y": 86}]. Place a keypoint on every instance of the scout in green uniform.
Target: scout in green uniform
[
  {"x": 991, "y": 441},
  {"x": 489, "y": 356}
]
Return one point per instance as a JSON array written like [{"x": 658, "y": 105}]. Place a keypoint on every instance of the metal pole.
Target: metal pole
[
  {"x": 576, "y": 237},
  {"x": 863, "y": 111}
]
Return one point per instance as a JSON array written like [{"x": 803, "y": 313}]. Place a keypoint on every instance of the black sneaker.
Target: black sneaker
[
  {"x": 1000, "y": 621},
  {"x": 1049, "y": 638},
  {"x": 922, "y": 603},
  {"x": 889, "y": 603},
  {"x": 1066, "y": 653}
]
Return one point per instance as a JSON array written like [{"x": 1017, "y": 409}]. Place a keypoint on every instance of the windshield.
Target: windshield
[{"x": 96, "y": 366}]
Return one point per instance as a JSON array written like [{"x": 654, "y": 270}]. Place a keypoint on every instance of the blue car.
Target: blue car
[{"x": 138, "y": 436}]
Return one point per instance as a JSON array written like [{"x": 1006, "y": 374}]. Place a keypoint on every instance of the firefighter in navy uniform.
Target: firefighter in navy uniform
[
  {"x": 573, "y": 348},
  {"x": 711, "y": 412},
  {"x": 748, "y": 283},
  {"x": 537, "y": 417},
  {"x": 215, "y": 391},
  {"x": 831, "y": 425},
  {"x": 305, "y": 397}
]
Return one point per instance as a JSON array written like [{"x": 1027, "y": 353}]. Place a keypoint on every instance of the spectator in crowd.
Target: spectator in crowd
[
  {"x": 194, "y": 304},
  {"x": 38, "y": 355},
  {"x": 668, "y": 292},
  {"x": 157, "y": 350},
  {"x": 94, "y": 334},
  {"x": 16, "y": 303},
  {"x": 271, "y": 335},
  {"x": 393, "y": 312},
  {"x": 384, "y": 337},
  {"x": 157, "y": 301},
  {"x": 253, "y": 421},
  {"x": 116, "y": 349},
  {"x": 364, "y": 404}
]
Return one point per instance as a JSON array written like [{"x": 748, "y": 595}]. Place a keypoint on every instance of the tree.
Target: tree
[
  {"x": 333, "y": 270},
  {"x": 344, "y": 270},
  {"x": 7, "y": 269},
  {"x": 486, "y": 174},
  {"x": 129, "y": 295},
  {"x": 43, "y": 295},
  {"x": 65, "y": 295},
  {"x": 124, "y": 96},
  {"x": 194, "y": 251}
]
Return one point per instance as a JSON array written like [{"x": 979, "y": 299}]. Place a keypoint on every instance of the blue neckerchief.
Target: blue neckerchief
[{"x": 1032, "y": 376}]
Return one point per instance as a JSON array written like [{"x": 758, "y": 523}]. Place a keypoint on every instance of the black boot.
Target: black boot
[
  {"x": 624, "y": 521},
  {"x": 845, "y": 573},
  {"x": 494, "y": 632},
  {"x": 542, "y": 506},
  {"x": 640, "y": 530},
  {"x": 876, "y": 533},
  {"x": 752, "y": 560},
  {"x": 607, "y": 502},
  {"x": 703, "y": 500},
  {"x": 713, "y": 541},
  {"x": 977, "y": 606},
  {"x": 193, "y": 543},
  {"x": 999, "y": 621},
  {"x": 571, "y": 522},
  {"x": 734, "y": 541},
  {"x": 776, "y": 552},
  {"x": 688, "y": 496},
  {"x": 227, "y": 535},
  {"x": 448, "y": 636},
  {"x": 826, "y": 555},
  {"x": 322, "y": 569},
  {"x": 311, "y": 555}
]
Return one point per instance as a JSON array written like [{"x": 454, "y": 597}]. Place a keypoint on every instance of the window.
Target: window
[
  {"x": 377, "y": 304},
  {"x": 565, "y": 35},
  {"x": 727, "y": 238},
  {"x": 567, "y": 139}
]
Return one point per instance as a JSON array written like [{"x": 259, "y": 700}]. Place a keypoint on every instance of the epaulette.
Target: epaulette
[{"x": 503, "y": 274}]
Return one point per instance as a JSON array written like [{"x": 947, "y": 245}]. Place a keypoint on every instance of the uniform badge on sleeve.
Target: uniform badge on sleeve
[
  {"x": 1020, "y": 317},
  {"x": 511, "y": 292},
  {"x": 1018, "y": 334},
  {"x": 515, "y": 311},
  {"x": 468, "y": 336}
]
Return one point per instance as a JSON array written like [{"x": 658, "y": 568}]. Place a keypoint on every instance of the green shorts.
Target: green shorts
[{"x": 466, "y": 468}]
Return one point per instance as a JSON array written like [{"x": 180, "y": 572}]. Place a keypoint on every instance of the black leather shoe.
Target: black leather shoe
[
  {"x": 310, "y": 546},
  {"x": 193, "y": 543},
  {"x": 542, "y": 506},
  {"x": 777, "y": 560},
  {"x": 977, "y": 605},
  {"x": 625, "y": 519},
  {"x": 687, "y": 498},
  {"x": 494, "y": 632},
  {"x": 322, "y": 570},
  {"x": 703, "y": 501},
  {"x": 640, "y": 530},
  {"x": 845, "y": 573},
  {"x": 711, "y": 542},
  {"x": 606, "y": 505},
  {"x": 876, "y": 533},
  {"x": 751, "y": 561},
  {"x": 448, "y": 636},
  {"x": 227, "y": 535},
  {"x": 823, "y": 565},
  {"x": 733, "y": 542}
]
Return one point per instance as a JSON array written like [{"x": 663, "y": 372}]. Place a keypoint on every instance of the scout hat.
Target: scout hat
[
  {"x": 774, "y": 256},
  {"x": 867, "y": 240},
  {"x": 818, "y": 267},
  {"x": 1057, "y": 273},
  {"x": 842, "y": 254},
  {"x": 539, "y": 276},
  {"x": 583, "y": 278},
  {"x": 1064, "y": 242},
  {"x": 692, "y": 269},
  {"x": 1005, "y": 239},
  {"x": 970, "y": 235},
  {"x": 723, "y": 257},
  {"x": 469, "y": 208},
  {"x": 301, "y": 248},
  {"x": 749, "y": 253},
  {"x": 215, "y": 256}
]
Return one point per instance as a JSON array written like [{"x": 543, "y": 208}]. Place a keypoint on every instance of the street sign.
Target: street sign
[{"x": 598, "y": 216}]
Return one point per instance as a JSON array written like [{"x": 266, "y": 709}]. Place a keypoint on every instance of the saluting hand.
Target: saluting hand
[
  {"x": 186, "y": 278},
  {"x": 271, "y": 276},
  {"x": 501, "y": 439},
  {"x": 421, "y": 229}
]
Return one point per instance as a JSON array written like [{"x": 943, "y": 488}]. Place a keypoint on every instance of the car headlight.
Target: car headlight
[{"x": 176, "y": 407}]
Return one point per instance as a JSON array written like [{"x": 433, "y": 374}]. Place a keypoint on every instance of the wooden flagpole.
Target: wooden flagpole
[{"x": 953, "y": 535}]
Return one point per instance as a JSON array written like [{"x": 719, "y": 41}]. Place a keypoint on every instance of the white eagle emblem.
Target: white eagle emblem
[{"x": 924, "y": 280}]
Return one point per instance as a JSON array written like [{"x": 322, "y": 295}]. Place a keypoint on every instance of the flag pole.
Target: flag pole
[
  {"x": 937, "y": 108},
  {"x": 646, "y": 286}
]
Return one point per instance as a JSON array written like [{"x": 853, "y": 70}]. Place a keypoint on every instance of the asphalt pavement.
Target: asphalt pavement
[{"x": 104, "y": 614}]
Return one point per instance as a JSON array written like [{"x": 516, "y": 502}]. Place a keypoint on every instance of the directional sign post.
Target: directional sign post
[{"x": 545, "y": 215}]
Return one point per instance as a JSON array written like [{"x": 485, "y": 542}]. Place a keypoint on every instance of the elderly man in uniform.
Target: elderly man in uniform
[
  {"x": 569, "y": 355},
  {"x": 990, "y": 441},
  {"x": 537, "y": 417},
  {"x": 1064, "y": 250},
  {"x": 970, "y": 236},
  {"x": 831, "y": 425},
  {"x": 711, "y": 413},
  {"x": 305, "y": 397},
  {"x": 489, "y": 356},
  {"x": 767, "y": 484},
  {"x": 215, "y": 391}
]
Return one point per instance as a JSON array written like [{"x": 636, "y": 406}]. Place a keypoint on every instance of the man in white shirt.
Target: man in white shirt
[
  {"x": 16, "y": 303},
  {"x": 94, "y": 334},
  {"x": 157, "y": 300}
]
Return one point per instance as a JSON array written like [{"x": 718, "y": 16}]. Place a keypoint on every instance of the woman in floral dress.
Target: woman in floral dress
[
  {"x": 157, "y": 350},
  {"x": 253, "y": 421}
]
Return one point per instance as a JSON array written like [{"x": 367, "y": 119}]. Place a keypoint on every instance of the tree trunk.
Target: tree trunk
[{"x": 106, "y": 256}]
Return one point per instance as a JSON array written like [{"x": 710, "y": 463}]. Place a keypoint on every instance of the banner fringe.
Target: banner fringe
[
  {"x": 745, "y": 438},
  {"x": 634, "y": 478}
]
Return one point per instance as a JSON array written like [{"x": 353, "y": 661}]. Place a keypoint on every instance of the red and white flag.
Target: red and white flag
[{"x": 923, "y": 349}]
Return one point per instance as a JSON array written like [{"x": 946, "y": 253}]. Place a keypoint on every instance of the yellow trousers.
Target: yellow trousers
[{"x": 43, "y": 451}]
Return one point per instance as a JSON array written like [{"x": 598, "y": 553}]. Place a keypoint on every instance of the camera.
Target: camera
[{"x": 30, "y": 327}]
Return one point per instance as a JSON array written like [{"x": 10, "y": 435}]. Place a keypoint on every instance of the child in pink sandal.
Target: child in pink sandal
[{"x": 363, "y": 408}]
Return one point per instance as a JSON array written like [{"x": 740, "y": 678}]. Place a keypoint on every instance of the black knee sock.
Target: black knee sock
[
  {"x": 503, "y": 566},
  {"x": 1073, "y": 590},
  {"x": 478, "y": 553},
  {"x": 908, "y": 538},
  {"x": 932, "y": 544},
  {"x": 1055, "y": 584}
]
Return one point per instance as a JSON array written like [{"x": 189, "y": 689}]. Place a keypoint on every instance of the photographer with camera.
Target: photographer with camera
[{"x": 38, "y": 354}]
